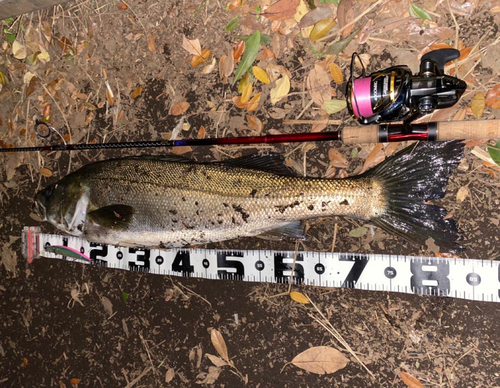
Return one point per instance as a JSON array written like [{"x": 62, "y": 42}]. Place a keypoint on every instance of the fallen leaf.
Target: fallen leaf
[
  {"x": 199, "y": 59},
  {"x": 314, "y": 16},
  {"x": 226, "y": 66},
  {"x": 299, "y": 297},
  {"x": 219, "y": 344},
  {"x": 122, "y": 6},
  {"x": 495, "y": 152},
  {"x": 210, "y": 377},
  {"x": 409, "y": 380},
  {"x": 18, "y": 50},
  {"x": 65, "y": 45},
  {"x": 334, "y": 106},
  {"x": 321, "y": 28},
  {"x": 464, "y": 53},
  {"x": 376, "y": 156},
  {"x": 179, "y": 108},
  {"x": 74, "y": 381},
  {"x": 136, "y": 92},
  {"x": 261, "y": 75},
  {"x": 417, "y": 12},
  {"x": 358, "y": 232},
  {"x": 336, "y": 73},
  {"x": 255, "y": 123},
  {"x": 337, "y": 159},
  {"x": 217, "y": 361},
  {"x": 181, "y": 150},
  {"x": 191, "y": 46},
  {"x": 318, "y": 85},
  {"x": 246, "y": 93},
  {"x": 169, "y": 375},
  {"x": 340, "y": 45},
  {"x": 209, "y": 68},
  {"x": 201, "y": 132},
  {"x": 281, "y": 10},
  {"x": 477, "y": 105},
  {"x": 281, "y": 89},
  {"x": 251, "y": 50},
  {"x": 320, "y": 360},
  {"x": 108, "y": 306},
  {"x": 45, "y": 172},
  {"x": 493, "y": 97},
  {"x": 32, "y": 86},
  {"x": 238, "y": 51},
  {"x": 253, "y": 104},
  {"x": 151, "y": 43},
  {"x": 462, "y": 193}
]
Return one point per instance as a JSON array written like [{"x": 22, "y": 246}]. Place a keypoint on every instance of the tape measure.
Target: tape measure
[{"x": 452, "y": 277}]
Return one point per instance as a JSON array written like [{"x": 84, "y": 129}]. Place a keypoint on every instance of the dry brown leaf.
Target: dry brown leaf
[
  {"x": 409, "y": 380},
  {"x": 320, "y": 360},
  {"x": 492, "y": 97},
  {"x": 199, "y": 59},
  {"x": 337, "y": 159},
  {"x": 169, "y": 376},
  {"x": 462, "y": 193},
  {"x": 122, "y": 6},
  {"x": 108, "y": 306},
  {"x": 181, "y": 150},
  {"x": 219, "y": 344},
  {"x": 314, "y": 16},
  {"x": 459, "y": 116},
  {"x": 226, "y": 66},
  {"x": 217, "y": 361},
  {"x": 179, "y": 108},
  {"x": 318, "y": 84},
  {"x": 136, "y": 92},
  {"x": 376, "y": 156},
  {"x": 151, "y": 43},
  {"x": 477, "y": 105},
  {"x": 238, "y": 51},
  {"x": 210, "y": 67},
  {"x": 201, "y": 132},
  {"x": 45, "y": 172},
  {"x": 32, "y": 86},
  {"x": 191, "y": 46},
  {"x": 255, "y": 123},
  {"x": 281, "y": 10},
  {"x": 336, "y": 73},
  {"x": 253, "y": 104}
]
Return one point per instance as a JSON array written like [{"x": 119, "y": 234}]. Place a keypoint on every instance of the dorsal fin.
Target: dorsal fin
[{"x": 272, "y": 162}]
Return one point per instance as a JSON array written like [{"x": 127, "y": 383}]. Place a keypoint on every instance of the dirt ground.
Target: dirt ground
[{"x": 104, "y": 71}]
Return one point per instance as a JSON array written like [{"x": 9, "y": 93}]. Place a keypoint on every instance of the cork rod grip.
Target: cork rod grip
[
  {"x": 356, "y": 135},
  {"x": 484, "y": 129}
]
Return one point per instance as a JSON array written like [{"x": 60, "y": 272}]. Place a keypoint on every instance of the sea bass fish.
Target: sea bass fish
[{"x": 176, "y": 202}]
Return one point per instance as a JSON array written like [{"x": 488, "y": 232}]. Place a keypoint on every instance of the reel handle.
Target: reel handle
[{"x": 440, "y": 57}]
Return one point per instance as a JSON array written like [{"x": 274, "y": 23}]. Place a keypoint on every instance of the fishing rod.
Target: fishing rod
[{"x": 384, "y": 102}]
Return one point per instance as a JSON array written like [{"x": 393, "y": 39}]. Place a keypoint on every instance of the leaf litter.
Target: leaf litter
[{"x": 97, "y": 108}]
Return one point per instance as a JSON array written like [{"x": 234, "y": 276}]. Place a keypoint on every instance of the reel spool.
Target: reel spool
[{"x": 394, "y": 94}]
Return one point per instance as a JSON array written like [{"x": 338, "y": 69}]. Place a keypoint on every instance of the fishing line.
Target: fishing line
[{"x": 460, "y": 278}]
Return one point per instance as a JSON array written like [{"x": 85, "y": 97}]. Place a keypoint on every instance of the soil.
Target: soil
[{"x": 70, "y": 325}]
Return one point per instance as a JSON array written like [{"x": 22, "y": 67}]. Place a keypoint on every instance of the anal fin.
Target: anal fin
[{"x": 293, "y": 230}]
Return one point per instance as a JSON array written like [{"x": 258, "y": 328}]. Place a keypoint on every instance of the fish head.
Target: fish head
[{"x": 64, "y": 205}]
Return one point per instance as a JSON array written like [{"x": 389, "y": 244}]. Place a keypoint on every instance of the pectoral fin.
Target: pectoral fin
[{"x": 114, "y": 217}]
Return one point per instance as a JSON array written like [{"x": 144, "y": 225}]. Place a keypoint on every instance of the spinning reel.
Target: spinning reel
[{"x": 394, "y": 94}]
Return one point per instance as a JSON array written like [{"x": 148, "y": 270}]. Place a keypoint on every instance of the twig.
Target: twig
[
  {"x": 136, "y": 380},
  {"x": 328, "y": 327},
  {"x": 300, "y": 122},
  {"x": 193, "y": 293},
  {"x": 334, "y": 236}
]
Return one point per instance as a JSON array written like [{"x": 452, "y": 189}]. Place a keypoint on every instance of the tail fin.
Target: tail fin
[{"x": 416, "y": 174}]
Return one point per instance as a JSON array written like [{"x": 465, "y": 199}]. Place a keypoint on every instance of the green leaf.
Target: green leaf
[
  {"x": 495, "y": 152},
  {"x": 334, "y": 106},
  {"x": 358, "y": 232},
  {"x": 9, "y": 20},
  {"x": 264, "y": 38},
  {"x": 338, "y": 47},
  {"x": 335, "y": 2},
  {"x": 251, "y": 50},
  {"x": 354, "y": 153},
  {"x": 233, "y": 23},
  {"x": 417, "y": 12},
  {"x": 10, "y": 37},
  {"x": 124, "y": 297}
]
